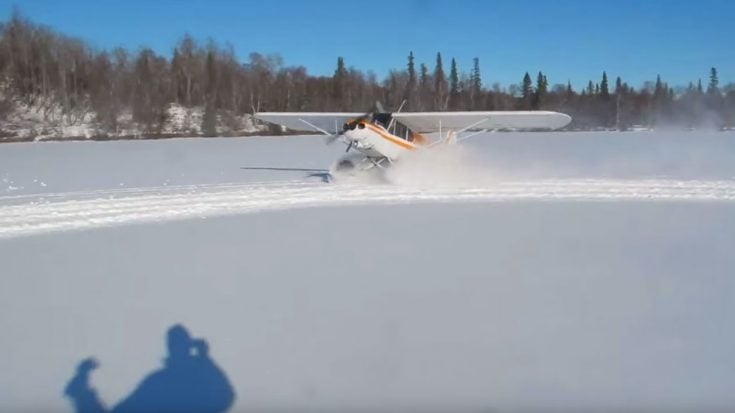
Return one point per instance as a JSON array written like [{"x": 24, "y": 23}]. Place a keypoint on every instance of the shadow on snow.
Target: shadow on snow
[{"x": 189, "y": 381}]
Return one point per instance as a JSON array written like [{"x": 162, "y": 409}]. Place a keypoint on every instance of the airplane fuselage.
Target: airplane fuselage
[{"x": 374, "y": 141}]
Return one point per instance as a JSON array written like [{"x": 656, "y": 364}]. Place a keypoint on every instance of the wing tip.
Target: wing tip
[{"x": 564, "y": 120}]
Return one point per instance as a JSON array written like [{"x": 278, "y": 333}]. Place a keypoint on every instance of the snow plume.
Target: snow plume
[{"x": 442, "y": 165}]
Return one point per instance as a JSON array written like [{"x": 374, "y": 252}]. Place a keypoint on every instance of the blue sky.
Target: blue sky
[{"x": 567, "y": 40}]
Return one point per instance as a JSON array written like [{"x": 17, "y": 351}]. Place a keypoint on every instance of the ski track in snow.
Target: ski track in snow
[{"x": 44, "y": 213}]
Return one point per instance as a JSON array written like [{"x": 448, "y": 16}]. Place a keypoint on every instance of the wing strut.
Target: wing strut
[
  {"x": 316, "y": 127},
  {"x": 465, "y": 129},
  {"x": 476, "y": 133},
  {"x": 457, "y": 134}
]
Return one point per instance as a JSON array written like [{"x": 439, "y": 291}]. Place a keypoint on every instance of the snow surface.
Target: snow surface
[{"x": 564, "y": 271}]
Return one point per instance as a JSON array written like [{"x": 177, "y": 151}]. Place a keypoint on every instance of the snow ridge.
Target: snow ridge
[{"x": 37, "y": 214}]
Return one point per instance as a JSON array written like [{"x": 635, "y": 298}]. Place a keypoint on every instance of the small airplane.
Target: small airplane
[{"x": 382, "y": 138}]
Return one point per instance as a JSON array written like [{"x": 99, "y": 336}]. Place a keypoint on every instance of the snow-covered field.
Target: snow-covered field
[{"x": 546, "y": 271}]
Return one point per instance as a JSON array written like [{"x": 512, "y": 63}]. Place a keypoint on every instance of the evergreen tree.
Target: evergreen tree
[
  {"x": 440, "y": 84},
  {"x": 425, "y": 100},
  {"x": 713, "y": 87},
  {"x": 339, "y": 81},
  {"x": 714, "y": 99},
  {"x": 411, "y": 69},
  {"x": 526, "y": 91},
  {"x": 619, "y": 92},
  {"x": 453, "y": 86},
  {"x": 410, "y": 95},
  {"x": 475, "y": 83},
  {"x": 604, "y": 88},
  {"x": 541, "y": 91},
  {"x": 658, "y": 91},
  {"x": 569, "y": 93},
  {"x": 660, "y": 98}
]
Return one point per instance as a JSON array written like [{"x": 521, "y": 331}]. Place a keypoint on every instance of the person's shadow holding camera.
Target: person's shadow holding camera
[{"x": 189, "y": 382}]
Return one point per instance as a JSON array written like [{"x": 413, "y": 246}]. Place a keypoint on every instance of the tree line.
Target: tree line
[{"x": 64, "y": 77}]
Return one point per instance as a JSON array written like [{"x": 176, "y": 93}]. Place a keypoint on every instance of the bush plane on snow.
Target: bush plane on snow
[{"x": 381, "y": 138}]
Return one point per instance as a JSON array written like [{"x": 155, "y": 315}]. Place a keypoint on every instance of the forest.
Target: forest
[{"x": 62, "y": 81}]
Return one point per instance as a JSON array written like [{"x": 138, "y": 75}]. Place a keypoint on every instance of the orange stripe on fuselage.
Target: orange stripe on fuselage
[{"x": 394, "y": 139}]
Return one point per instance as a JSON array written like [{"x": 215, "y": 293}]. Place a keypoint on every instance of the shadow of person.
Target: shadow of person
[{"x": 188, "y": 382}]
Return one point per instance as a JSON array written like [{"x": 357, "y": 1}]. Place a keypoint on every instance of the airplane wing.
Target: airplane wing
[
  {"x": 428, "y": 122},
  {"x": 330, "y": 123}
]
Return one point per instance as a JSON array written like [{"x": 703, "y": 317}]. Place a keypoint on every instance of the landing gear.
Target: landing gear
[
  {"x": 359, "y": 166},
  {"x": 380, "y": 162}
]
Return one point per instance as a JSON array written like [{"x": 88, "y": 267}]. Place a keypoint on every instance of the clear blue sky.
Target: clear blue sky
[{"x": 575, "y": 40}]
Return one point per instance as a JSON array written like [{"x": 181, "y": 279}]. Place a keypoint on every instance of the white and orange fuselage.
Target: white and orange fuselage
[{"x": 374, "y": 141}]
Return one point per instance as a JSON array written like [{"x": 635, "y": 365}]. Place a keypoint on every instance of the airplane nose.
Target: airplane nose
[{"x": 352, "y": 135}]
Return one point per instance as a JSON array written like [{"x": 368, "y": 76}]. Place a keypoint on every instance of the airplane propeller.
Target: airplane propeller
[
  {"x": 331, "y": 138},
  {"x": 368, "y": 116}
]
